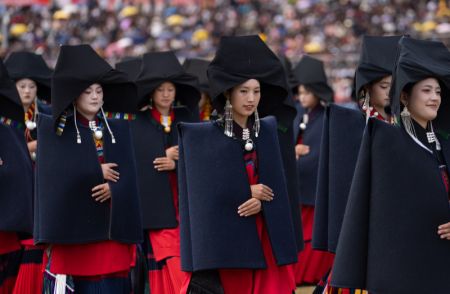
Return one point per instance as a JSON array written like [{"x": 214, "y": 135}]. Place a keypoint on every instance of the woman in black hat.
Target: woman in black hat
[
  {"x": 198, "y": 68},
  {"x": 313, "y": 93},
  {"x": 167, "y": 96},
  {"x": 32, "y": 77},
  {"x": 341, "y": 139},
  {"x": 392, "y": 239},
  {"x": 87, "y": 206},
  {"x": 16, "y": 182},
  {"x": 237, "y": 232}
]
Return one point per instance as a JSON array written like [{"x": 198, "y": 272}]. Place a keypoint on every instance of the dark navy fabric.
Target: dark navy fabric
[
  {"x": 308, "y": 165},
  {"x": 150, "y": 141},
  {"x": 65, "y": 211},
  {"x": 213, "y": 235},
  {"x": 389, "y": 241},
  {"x": 16, "y": 182},
  {"x": 341, "y": 139}
]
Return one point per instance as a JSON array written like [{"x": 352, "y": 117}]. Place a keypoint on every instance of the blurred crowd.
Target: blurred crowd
[{"x": 328, "y": 29}]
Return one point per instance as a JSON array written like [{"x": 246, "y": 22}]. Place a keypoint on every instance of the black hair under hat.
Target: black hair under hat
[
  {"x": 131, "y": 66},
  {"x": 80, "y": 66},
  {"x": 239, "y": 59},
  {"x": 198, "y": 68},
  {"x": 418, "y": 60},
  {"x": 160, "y": 67},
  {"x": 10, "y": 105},
  {"x": 377, "y": 60},
  {"x": 28, "y": 65},
  {"x": 310, "y": 72}
]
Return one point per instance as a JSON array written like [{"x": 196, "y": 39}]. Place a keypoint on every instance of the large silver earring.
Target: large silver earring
[
  {"x": 407, "y": 121},
  {"x": 257, "y": 125},
  {"x": 75, "y": 122},
  {"x": 228, "y": 119},
  {"x": 366, "y": 105}
]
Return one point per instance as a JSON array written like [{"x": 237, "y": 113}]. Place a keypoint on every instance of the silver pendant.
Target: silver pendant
[
  {"x": 248, "y": 145},
  {"x": 31, "y": 125}
]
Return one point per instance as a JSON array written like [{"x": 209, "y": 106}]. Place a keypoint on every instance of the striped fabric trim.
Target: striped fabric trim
[
  {"x": 120, "y": 115},
  {"x": 11, "y": 123},
  {"x": 61, "y": 124}
]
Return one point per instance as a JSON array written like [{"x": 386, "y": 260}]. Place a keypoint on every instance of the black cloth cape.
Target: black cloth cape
[
  {"x": 213, "y": 236},
  {"x": 65, "y": 211},
  {"x": 285, "y": 114},
  {"x": 150, "y": 141},
  {"x": 16, "y": 182},
  {"x": 308, "y": 165},
  {"x": 341, "y": 139},
  {"x": 389, "y": 241},
  {"x": 31, "y": 66}
]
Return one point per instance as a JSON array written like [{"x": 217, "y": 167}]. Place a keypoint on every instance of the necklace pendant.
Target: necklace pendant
[
  {"x": 31, "y": 125},
  {"x": 248, "y": 146},
  {"x": 98, "y": 134},
  {"x": 167, "y": 129}
]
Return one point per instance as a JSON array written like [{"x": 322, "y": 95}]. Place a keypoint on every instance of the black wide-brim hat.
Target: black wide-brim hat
[
  {"x": 198, "y": 68},
  {"x": 418, "y": 60},
  {"x": 239, "y": 59},
  {"x": 10, "y": 104},
  {"x": 80, "y": 66},
  {"x": 131, "y": 66},
  {"x": 377, "y": 60},
  {"x": 160, "y": 67},
  {"x": 310, "y": 72},
  {"x": 28, "y": 65}
]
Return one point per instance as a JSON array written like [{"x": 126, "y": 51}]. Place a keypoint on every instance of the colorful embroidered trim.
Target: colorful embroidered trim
[
  {"x": 11, "y": 123},
  {"x": 120, "y": 115}
]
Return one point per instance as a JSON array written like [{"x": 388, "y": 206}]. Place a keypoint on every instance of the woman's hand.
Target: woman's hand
[
  {"x": 109, "y": 174},
  {"x": 32, "y": 146},
  {"x": 172, "y": 152},
  {"x": 262, "y": 192},
  {"x": 249, "y": 207},
  {"x": 444, "y": 231},
  {"x": 164, "y": 164},
  {"x": 101, "y": 192},
  {"x": 301, "y": 150}
]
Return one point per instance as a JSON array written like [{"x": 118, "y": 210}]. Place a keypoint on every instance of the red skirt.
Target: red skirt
[
  {"x": 30, "y": 278},
  {"x": 312, "y": 265},
  {"x": 162, "y": 248},
  {"x": 272, "y": 280},
  {"x": 10, "y": 255}
]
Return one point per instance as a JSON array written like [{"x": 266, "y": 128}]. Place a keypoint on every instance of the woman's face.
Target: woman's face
[
  {"x": 27, "y": 91},
  {"x": 424, "y": 101},
  {"x": 307, "y": 99},
  {"x": 245, "y": 98},
  {"x": 90, "y": 101},
  {"x": 379, "y": 92},
  {"x": 164, "y": 95}
]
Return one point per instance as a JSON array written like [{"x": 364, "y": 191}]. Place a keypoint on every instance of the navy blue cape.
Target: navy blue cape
[
  {"x": 341, "y": 139},
  {"x": 65, "y": 211},
  {"x": 389, "y": 241},
  {"x": 213, "y": 235}
]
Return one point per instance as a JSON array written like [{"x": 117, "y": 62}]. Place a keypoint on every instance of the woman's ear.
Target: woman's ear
[
  {"x": 404, "y": 98},
  {"x": 227, "y": 94}
]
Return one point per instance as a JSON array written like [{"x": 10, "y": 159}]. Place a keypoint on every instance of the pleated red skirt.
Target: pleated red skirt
[
  {"x": 312, "y": 265},
  {"x": 30, "y": 278}
]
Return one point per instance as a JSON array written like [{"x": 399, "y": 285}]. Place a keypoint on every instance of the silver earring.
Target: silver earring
[
  {"x": 228, "y": 119},
  {"x": 257, "y": 125},
  {"x": 407, "y": 121},
  {"x": 75, "y": 122},
  {"x": 366, "y": 105}
]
